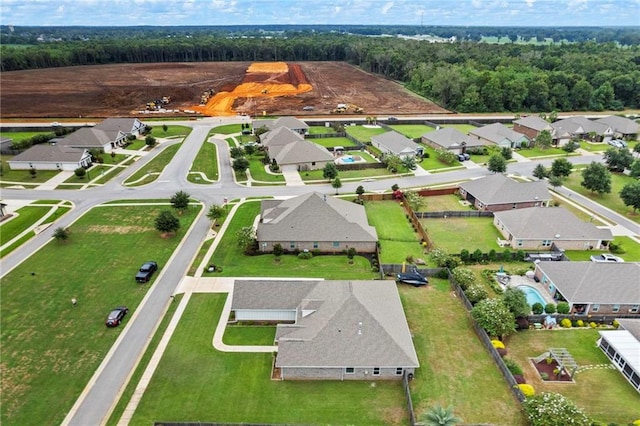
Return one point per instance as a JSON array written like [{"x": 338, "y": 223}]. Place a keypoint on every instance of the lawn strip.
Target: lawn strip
[{"x": 154, "y": 167}]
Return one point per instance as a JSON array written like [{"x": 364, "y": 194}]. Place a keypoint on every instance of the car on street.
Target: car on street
[
  {"x": 605, "y": 257},
  {"x": 463, "y": 157},
  {"x": 413, "y": 278},
  {"x": 146, "y": 271},
  {"x": 56, "y": 124},
  {"x": 392, "y": 119},
  {"x": 116, "y": 316}
]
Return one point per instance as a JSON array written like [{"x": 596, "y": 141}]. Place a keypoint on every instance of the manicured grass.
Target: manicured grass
[
  {"x": 172, "y": 131},
  {"x": 441, "y": 203},
  {"x": 363, "y": 134},
  {"x": 154, "y": 167},
  {"x": 236, "y": 264},
  {"x": 249, "y": 335},
  {"x": 611, "y": 200},
  {"x": 49, "y": 347},
  {"x": 258, "y": 172},
  {"x": 205, "y": 162},
  {"x": 464, "y": 128},
  {"x": 585, "y": 216},
  {"x": 23, "y": 176},
  {"x": 615, "y": 400},
  {"x": 246, "y": 138},
  {"x": 631, "y": 251},
  {"x": 395, "y": 233},
  {"x": 20, "y": 136},
  {"x": 195, "y": 382},
  {"x": 455, "y": 369},
  {"x": 432, "y": 162},
  {"x": 320, "y": 130},
  {"x": 593, "y": 147},
  {"x": 539, "y": 152},
  {"x": 26, "y": 217},
  {"x": 350, "y": 174},
  {"x": 412, "y": 131},
  {"x": 455, "y": 233},
  {"x": 226, "y": 129},
  {"x": 136, "y": 144},
  {"x": 332, "y": 142}
]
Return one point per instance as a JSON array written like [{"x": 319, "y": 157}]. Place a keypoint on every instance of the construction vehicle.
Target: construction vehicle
[
  {"x": 158, "y": 103},
  {"x": 342, "y": 108},
  {"x": 204, "y": 98}
]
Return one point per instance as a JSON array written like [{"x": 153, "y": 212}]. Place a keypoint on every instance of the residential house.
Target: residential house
[
  {"x": 499, "y": 134},
  {"x": 51, "y": 157},
  {"x": 531, "y": 126},
  {"x": 541, "y": 227},
  {"x": 583, "y": 128},
  {"x": 394, "y": 143},
  {"x": 622, "y": 347},
  {"x": 106, "y": 136},
  {"x": 623, "y": 127},
  {"x": 331, "y": 330},
  {"x": 498, "y": 192},
  {"x": 593, "y": 287},
  {"x": 279, "y": 136},
  {"x": 290, "y": 123},
  {"x": 5, "y": 143},
  {"x": 451, "y": 139},
  {"x": 292, "y": 152},
  {"x": 315, "y": 222}
]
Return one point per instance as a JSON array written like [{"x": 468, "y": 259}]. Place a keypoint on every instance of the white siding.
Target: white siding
[{"x": 265, "y": 315}]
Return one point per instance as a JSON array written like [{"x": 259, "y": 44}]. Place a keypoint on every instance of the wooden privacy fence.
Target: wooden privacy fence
[
  {"x": 453, "y": 213},
  {"x": 407, "y": 395}
]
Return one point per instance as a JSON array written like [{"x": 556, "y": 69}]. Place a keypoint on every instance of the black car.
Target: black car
[
  {"x": 414, "y": 278},
  {"x": 116, "y": 316},
  {"x": 146, "y": 271},
  {"x": 463, "y": 157},
  {"x": 392, "y": 119}
]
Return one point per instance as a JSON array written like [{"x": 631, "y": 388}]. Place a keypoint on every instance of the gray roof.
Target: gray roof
[
  {"x": 350, "y": 323},
  {"x": 279, "y": 136},
  {"x": 595, "y": 282},
  {"x": 396, "y": 143},
  {"x": 87, "y": 137},
  {"x": 580, "y": 125},
  {"x": 112, "y": 126},
  {"x": 314, "y": 217},
  {"x": 550, "y": 223},
  {"x": 51, "y": 154},
  {"x": 622, "y": 125},
  {"x": 496, "y": 133},
  {"x": 534, "y": 122},
  {"x": 632, "y": 325},
  {"x": 450, "y": 137},
  {"x": 299, "y": 152},
  {"x": 276, "y": 294},
  {"x": 499, "y": 189},
  {"x": 288, "y": 122}
]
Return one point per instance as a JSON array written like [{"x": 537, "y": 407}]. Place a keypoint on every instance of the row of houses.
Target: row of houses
[{"x": 72, "y": 151}]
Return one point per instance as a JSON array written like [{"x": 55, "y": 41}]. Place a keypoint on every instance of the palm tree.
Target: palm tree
[{"x": 439, "y": 416}]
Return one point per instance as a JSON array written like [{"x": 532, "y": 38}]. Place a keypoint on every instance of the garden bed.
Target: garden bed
[{"x": 546, "y": 369}]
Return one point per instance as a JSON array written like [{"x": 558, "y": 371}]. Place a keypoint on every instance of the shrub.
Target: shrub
[
  {"x": 615, "y": 324},
  {"x": 305, "y": 255},
  {"x": 593, "y": 324},
  {"x": 464, "y": 255},
  {"x": 476, "y": 256},
  {"x": 553, "y": 409},
  {"x": 514, "y": 368},
  {"x": 527, "y": 390},
  {"x": 544, "y": 376},
  {"x": 506, "y": 255},
  {"x": 463, "y": 276},
  {"x": 519, "y": 378},
  {"x": 502, "y": 352},
  {"x": 563, "y": 308},
  {"x": 494, "y": 316},
  {"x": 497, "y": 344},
  {"x": 443, "y": 274},
  {"x": 409, "y": 259},
  {"x": 565, "y": 323},
  {"x": 520, "y": 255},
  {"x": 492, "y": 255},
  {"x": 580, "y": 323},
  {"x": 550, "y": 308},
  {"x": 537, "y": 308},
  {"x": 475, "y": 293}
]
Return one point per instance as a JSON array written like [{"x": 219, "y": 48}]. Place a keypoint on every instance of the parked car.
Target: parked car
[
  {"x": 463, "y": 157},
  {"x": 116, "y": 316},
  {"x": 616, "y": 143},
  {"x": 308, "y": 108},
  {"x": 604, "y": 257},
  {"x": 392, "y": 119},
  {"x": 414, "y": 278},
  {"x": 146, "y": 271},
  {"x": 56, "y": 124}
]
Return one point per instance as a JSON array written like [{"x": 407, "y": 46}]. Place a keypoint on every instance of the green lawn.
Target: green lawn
[
  {"x": 237, "y": 264},
  {"x": 455, "y": 369},
  {"x": 432, "y": 162},
  {"x": 464, "y": 128},
  {"x": 539, "y": 152},
  {"x": 363, "y": 134},
  {"x": 611, "y": 200},
  {"x": 456, "y": 233},
  {"x": 311, "y": 175},
  {"x": 154, "y": 167},
  {"x": 172, "y": 131},
  {"x": 320, "y": 130},
  {"x": 26, "y": 217},
  {"x": 249, "y": 335},
  {"x": 333, "y": 142},
  {"x": 205, "y": 162},
  {"x": 20, "y": 136},
  {"x": 615, "y": 400},
  {"x": 195, "y": 382},
  {"x": 441, "y": 203},
  {"x": 412, "y": 131},
  {"x": 226, "y": 129},
  {"x": 22, "y": 176},
  {"x": 49, "y": 348},
  {"x": 136, "y": 144},
  {"x": 258, "y": 172},
  {"x": 593, "y": 147},
  {"x": 631, "y": 251},
  {"x": 396, "y": 236}
]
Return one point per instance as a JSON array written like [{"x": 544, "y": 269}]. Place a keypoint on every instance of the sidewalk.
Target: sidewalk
[{"x": 55, "y": 181}]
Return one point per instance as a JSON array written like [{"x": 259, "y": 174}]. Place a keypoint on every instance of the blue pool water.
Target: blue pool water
[
  {"x": 533, "y": 296},
  {"x": 348, "y": 160}
]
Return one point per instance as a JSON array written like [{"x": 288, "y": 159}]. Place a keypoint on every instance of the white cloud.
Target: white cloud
[
  {"x": 530, "y": 3},
  {"x": 386, "y": 7}
]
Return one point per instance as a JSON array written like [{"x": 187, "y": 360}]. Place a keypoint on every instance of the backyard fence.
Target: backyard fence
[
  {"x": 218, "y": 424},
  {"x": 360, "y": 166},
  {"x": 407, "y": 395},
  {"x": 453, "y": 213},
  {"x": 417, "y": 225},
  {"x": 396, "y": 268},
  {"x": 325, "y": 135}
]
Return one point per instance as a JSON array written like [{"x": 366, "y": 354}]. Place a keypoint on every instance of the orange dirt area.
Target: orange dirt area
[{"x": 263, "y": 79}]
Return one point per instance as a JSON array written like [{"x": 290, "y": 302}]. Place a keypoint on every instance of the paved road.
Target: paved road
[{"x": 103, "y": 391}]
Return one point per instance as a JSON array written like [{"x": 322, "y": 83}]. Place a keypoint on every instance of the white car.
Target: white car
[
  {"x": 606, "y": 258},
  {"x": 617, "y": 143},
  {"x": 56, "y": 124}
]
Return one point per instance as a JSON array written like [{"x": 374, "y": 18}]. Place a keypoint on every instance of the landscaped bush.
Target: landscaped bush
[
  {"x": 593, "y": 324},
  {"x": 563, "y": 308},
  {"x": 579, "y": 323},
  {"x": 527, "y": 390},
  {"x": 615, "y": 324},
  {"x": 565, "y": 323},
  {"x": 553, "y": 409},
  {"x": 463, "y": 276},
  {"x": 305, "y": 255},
  {"x": 550, "y": 308},
  {"x": 464, "y": 255},
  {"x": 544, "y": 376},
  {"x": 537, "y": 308},
  {"x": 475, "y": 293},
  {"x": 497, "y": 344},
  {"x": 489, "y": 276},
  {"x": 514, "y": 368}
]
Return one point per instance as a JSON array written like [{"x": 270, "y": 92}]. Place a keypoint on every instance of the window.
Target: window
[
  {"x": 313, "y": 163},
  {"x": 315, "y": 244},
  {"x": 292, "y": 244},
  {"x": 399, "y": 371},
  {"x": 350, "y": 370},
  {"x": 616, "y": 308},
  {"x": 634, "y": 309},
  {"x": 595, "y": 307},
  {"x": 519, "y": 243},
  {"x": 515, "y": 206},
  {"x": 376, "y": 371},
  {"x": 546, "y": 243},
  {"x": 336, "y": 243}
]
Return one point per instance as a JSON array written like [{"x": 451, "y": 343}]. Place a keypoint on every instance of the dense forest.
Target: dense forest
[{"x": 465, "y": 76}]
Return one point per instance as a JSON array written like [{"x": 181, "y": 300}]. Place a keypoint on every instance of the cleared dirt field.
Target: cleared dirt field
[{"x": 124, "y": 89}]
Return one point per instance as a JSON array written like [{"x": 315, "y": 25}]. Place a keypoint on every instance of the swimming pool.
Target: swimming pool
[
  {"x": 533, "y": 295},
  {"x": 348, "y": 159}
]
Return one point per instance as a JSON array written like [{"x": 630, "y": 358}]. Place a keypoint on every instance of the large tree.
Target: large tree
[
  {"x": 497, "y": 164},
  {"x": 180, "y": 201},
  {"x": 630, "y": 195},
  {"x": 618, "y": 159},
  {"x": 596, "y": 178},
  {"x": 494, "y": 316},
  {"x": 240, "y": 165},
  {"x": 561, "y": 167},
  {"x": 246, "y": 239},
  {"x": 544, "y": 139},
  {"x": 540, "y": 171},
  {"x": 516, "y": 302},
  {"x": 330, "y": 171},
  {"x": 166, "y": 222}
]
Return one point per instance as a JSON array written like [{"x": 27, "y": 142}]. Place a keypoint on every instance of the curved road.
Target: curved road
[{"x": 101, "y": 394}]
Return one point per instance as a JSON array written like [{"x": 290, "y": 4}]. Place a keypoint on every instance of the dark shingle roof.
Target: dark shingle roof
[
  {"x": 396, "y": 143},
  {"x": 499, "y": 189},
  {"x": 50, "y": 153}
]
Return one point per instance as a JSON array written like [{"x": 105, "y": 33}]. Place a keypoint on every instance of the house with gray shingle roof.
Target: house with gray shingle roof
[
  {"x": 593, "y": 287},
  {"x": 541, "y": 227},
  {"x": 290, "y": 123},
  {"x": 394, "y": 143},
  {"x": 279, "y": 136},
  {"x": 582, "y": 127},
  {"x": 498, "y": 192},
  {"x": 622, "y": 347},
  {"x": 531, "y": 126},
  {"x": 290, "y": 150},
  {"x": 499, "y": 134},
  {"x": 332, "y": 330},
  {"x": 622, "y": 127},
  {"x": 51, "y": 157},
  {"x": 106, "y": 136},
  {"x": 315, "y": 222},
  {"x": 451, "y": 139}
]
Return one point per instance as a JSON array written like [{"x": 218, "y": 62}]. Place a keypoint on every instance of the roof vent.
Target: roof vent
[{"x": 360, "y": 328}]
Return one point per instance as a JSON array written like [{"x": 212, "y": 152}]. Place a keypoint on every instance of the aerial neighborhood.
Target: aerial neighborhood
[{"x": 289, "y": 247}]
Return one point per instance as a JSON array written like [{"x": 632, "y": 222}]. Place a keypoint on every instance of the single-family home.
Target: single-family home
[
  {"x": 51, "y": 157},
  {"x": 452, "y": 139},
  {"x": 313, "y": 222},
  {"x": 541, "y": 227},
  {"x": 622, "y": 347},
  {"x": 290, "y": 123},
  {"x": 531, "y": 126},
  {"x": 499, "y": 134},
  {"x": 279, "y": 136},
  {"x": 623, "y": 127},
  {"x": 5, "y": 143},
  {"x": 582, "y": 127},
  {"x": 498, "y": 192},
  {"x": 331, "y": 330},
  {"x": 106, "y": 136},
  {"x": 394, "y": 143},
  {"x": 593, "y": 288},
  {"x": 291, "y": 151}
]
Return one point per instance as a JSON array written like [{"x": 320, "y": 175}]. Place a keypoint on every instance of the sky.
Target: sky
[{"x": 318, "y": 12}]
